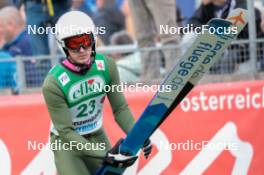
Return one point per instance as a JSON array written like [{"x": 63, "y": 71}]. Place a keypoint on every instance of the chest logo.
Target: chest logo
[{"x": 87, "y": 87}]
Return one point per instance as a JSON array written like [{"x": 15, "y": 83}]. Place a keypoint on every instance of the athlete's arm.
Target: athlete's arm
[
  {"x": 60, "y": 116},
  {"x": 117, "y": 100}
]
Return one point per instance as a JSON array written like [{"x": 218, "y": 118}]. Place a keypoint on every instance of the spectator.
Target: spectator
[
  {"x": 40, "y": 14},
  {"x": 18, "y": 44},
  {"x": 121, "y": 38},
  {"x": 110, "y": 17},
  {"x": 148, "y": 16},
  {"x": 14, "y": 32},
  {"x": 7, "y": 69},
  {"x": 129, "y": 65}
]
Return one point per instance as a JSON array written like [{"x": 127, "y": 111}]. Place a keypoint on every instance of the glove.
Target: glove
[
  {"x": 115, "y": 158},
  {"x": 147, "y": 148}
]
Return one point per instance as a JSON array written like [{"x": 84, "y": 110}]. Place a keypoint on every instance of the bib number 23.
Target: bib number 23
[{"x": 86, "y": 109}]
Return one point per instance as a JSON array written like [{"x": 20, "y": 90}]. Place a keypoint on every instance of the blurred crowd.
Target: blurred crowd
[
  {"x": 127, "y": 22},
  {"x": 15, "y": 39}
]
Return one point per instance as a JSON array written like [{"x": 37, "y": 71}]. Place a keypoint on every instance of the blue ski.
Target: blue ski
[{"x": 204, "y": 52}]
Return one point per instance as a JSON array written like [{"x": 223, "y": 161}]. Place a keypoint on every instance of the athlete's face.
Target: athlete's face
[
  {"x": 82, "y": 56},
  {"x": 80, "y": 48}
]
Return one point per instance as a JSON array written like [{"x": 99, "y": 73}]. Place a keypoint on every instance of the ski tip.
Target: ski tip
[{"x": 238, "y": 17}]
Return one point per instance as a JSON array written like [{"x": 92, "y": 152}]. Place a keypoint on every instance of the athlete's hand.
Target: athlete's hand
[
  {"x": 116, "y": 159},
  {"x": 147, "y": 148}
]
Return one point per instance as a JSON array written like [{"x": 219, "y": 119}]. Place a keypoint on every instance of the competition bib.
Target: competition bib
[{"x": 87, "y": 116}]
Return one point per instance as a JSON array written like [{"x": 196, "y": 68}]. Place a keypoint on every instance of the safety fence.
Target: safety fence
[{"x": 24, "y": 73}]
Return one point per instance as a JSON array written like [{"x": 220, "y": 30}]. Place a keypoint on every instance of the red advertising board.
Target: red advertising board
[{"x": 215, "y": 130}]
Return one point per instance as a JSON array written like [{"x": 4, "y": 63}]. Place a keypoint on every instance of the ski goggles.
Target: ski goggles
[{"x": 76, "y": 42}]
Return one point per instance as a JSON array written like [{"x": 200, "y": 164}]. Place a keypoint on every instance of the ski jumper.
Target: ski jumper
[{"x": 75, "y": 104}]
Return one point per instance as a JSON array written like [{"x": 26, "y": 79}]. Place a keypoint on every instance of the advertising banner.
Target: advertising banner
[{"x": 217, "y": 129}]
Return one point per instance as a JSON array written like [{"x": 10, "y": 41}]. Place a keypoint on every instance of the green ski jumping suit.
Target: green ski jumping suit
[{"x": 75, "y": 106}]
